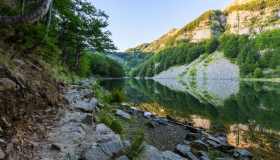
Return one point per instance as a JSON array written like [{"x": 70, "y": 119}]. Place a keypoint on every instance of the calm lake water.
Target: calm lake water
[{"x": 249, "y": 112}]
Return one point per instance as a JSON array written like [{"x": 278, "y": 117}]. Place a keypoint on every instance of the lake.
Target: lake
[{"x": 249, "y": 112}]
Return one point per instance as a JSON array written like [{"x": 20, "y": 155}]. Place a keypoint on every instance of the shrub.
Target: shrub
[
  {"x": 106, "y": 118},
  {"x": 230, "y": 45},
  {"x": 116, "y": 126},
  {"x": 211, "y": 45}
]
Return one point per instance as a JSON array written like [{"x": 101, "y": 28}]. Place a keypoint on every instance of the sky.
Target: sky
[{"x": 133, "y": 22}]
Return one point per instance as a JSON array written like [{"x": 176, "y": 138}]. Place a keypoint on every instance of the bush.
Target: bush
[
  {"x": 116, "y": 126},
  {"x": 211, "y": 45},
  {"x": 106, "y": 118},
  {"x": 230, "y": 45}
]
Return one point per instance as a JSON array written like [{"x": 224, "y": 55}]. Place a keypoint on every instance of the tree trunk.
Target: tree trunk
[{"x": 32, "y": 17}]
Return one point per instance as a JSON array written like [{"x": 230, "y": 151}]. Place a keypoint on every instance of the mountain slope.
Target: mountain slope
[{"x": 240, "y": 17}]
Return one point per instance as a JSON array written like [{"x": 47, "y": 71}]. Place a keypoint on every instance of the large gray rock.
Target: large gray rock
[
  {"x": 122, "y": 158},
  {"x": 168, "y": 155},
  {"x": 7, "y": 84},
  {"x": 88, "y": 105},
  {"x": 150, "y": 153},
  {"x": 123, "y": 114},
  {"x": 114, "y": 148},
  {"x": 106, "y": 150},
  {"x": 185, "y": 151},
  {"x": 105, "y": 134},
  {"x": 95, "y": 153}
]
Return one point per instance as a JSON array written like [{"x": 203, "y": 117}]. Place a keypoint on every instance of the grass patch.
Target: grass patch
[
  {"x": 136, "y": 146},
  {"x": 111, "y": 122},
  {"x": 117, "y": 96}
]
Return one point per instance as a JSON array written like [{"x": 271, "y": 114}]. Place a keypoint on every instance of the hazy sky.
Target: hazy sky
[{"x": 133, "y": 22}]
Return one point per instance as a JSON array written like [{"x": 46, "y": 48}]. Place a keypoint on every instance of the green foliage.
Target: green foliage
[
  {"x": 136, "y": 146},
  {"x": 258, "y": 73},
  {"x": 101, "y": 94},
  {"x": 116, "y": 126},
  {"x": 106, "y": 118},
  {"x": 211, "y": 45},
  {"x": 183, "y": 53},
  {"x": 61, "y": 37},
  {"x": 117, "y": 96},
  {"x": 111, "y": 122},
  {"x": 106, "y": 67},
  {"x": 207, "y": 15},
  {"x": 230, "y": 45}
]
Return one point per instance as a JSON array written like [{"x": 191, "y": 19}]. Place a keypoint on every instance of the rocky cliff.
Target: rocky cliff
[
  {"x": 240, "y": 17},
  {"x": 252, "y": 16}
]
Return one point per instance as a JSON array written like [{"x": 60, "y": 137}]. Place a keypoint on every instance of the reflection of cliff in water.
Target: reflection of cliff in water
[
  {"x": 255, "y": 102},
  {"x": 205, "y": 90},
  {"x": 249, "y": 115}
]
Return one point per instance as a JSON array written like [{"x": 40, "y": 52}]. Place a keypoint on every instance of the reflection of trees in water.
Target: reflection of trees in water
[
  {"x": 258, "y": 102},
  {"x": 251, "y": 117}
]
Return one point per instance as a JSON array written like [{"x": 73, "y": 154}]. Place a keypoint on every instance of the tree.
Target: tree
[{"x": 212, "y": 45}]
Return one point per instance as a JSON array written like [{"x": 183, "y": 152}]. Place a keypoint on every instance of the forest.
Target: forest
[
  {"x": 60, "y": 35},
  {"x": 257, "y": 55}
]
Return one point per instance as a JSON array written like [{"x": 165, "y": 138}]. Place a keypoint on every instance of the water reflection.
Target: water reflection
[{"x": 248, "y": 112}]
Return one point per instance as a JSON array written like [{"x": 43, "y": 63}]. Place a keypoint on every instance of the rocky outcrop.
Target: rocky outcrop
[
  {"x": 260, "y": 17},
  {"x": 210, "y": 79},
  {"x": 241, "y": 17}
]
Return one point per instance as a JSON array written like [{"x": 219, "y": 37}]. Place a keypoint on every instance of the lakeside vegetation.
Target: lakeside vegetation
[{"x": 258, "y": 56}]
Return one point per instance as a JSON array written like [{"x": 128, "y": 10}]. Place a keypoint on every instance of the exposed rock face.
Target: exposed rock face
[
  {"x": 256, "y": 21},
  {"x": 241, "y": 17}
]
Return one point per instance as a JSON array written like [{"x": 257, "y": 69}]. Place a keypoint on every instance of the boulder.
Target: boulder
[
  {"x": 105, "y": 134},
  {"x": 150, "y": 153},
  {"x": 168, "y": 155},
  {"x": 95, "y": 153},
  {"x": 122, "y": 158},
  {"x": 213, "y": 144},
  {"x": 147, "y": 114},
  {"x": 161, "y": 121},
  {"x": 199, "y": 145},
  {"x": 113, "y": 148},
  {"x": 7, "y": 84},
  {"x": 123, "y": 114},
  {"x": 86, "y": 105},
  {"x": 185, "y": 151},
  {"x": 105, "y": 151},
  {"x": 242, "y": 154},
  {"x": 2, "y": 154}
]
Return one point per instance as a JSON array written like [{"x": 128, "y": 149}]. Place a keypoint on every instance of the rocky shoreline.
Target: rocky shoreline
[{"x": 78, "y": 136}]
